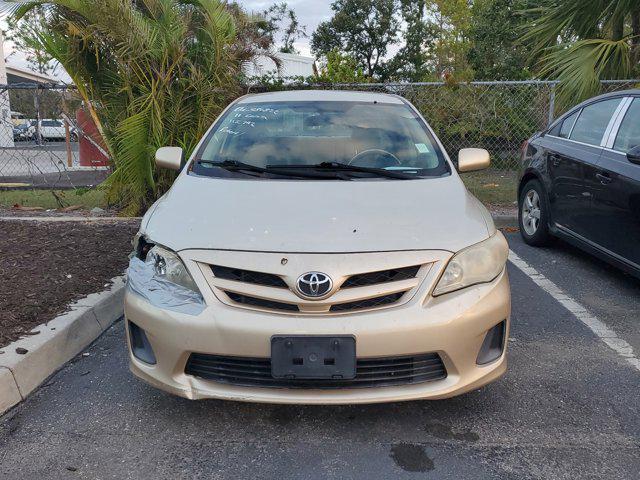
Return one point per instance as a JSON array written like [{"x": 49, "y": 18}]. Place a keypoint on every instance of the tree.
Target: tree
[
  {"x": 436, "y": 41},
  {"x": 580, "y": 42},
  {"x": 274, "y": 16},
  {"x": 451, "y": 20},
  {"x": 413, "y": 62},
  {"x": 151, "y": 73},
  {"x": 496, "y": 52},
  {"x": 364, "y": 29},
  {"x": 24, "y": 35},
  {"x": 339, "y": 68}
]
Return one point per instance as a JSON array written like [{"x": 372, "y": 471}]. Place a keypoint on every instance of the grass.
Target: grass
[
  {"x": 47, "y": 200},
  {"x": 495, "y": 187}
]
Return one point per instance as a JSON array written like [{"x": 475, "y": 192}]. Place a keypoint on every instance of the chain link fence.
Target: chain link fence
[
  {"x": 48, "y": 141},
  {"x": 497, "y": 116}
]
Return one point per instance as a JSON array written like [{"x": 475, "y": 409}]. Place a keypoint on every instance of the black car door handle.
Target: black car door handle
[
  {"x": 604, "y": 178},
  {"x": 555, "y": 159}
]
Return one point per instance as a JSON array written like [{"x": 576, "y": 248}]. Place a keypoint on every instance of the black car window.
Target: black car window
[
  {"x": 593, "y": 121},
  {"x": 629, "y": 132},
  {"x": 567, "y": 125}
]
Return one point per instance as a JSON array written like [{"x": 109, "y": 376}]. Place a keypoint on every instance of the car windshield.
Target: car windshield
[{"x": 366, "y": 137}]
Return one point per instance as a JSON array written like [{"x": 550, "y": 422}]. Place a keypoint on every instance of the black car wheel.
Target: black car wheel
[{"x": 533, "y": 214}]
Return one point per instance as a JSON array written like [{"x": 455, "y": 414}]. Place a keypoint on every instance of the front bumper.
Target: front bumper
[{"x": 452, "y": 325}]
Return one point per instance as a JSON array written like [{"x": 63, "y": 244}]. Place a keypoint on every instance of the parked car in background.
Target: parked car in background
[
  {"x": 318, "y": 247},
  {"x": 50, "y": 129},
  {"x": 53, "y": 129},
  {"x": 23, "y": 131},
  {"x": 581, "y": 180},
  {"x": 18, "y": 118}
]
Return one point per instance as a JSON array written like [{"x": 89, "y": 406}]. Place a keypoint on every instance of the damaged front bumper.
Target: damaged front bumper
[{"x": 453, "y": 326}]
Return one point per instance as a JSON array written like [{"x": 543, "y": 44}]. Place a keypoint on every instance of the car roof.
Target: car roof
[
  {"x": 604, "y": 96},
  {"x": 631, "y": 91},
  {"x": 619, "y": 93},
  {"x": 321, "y": 95}
]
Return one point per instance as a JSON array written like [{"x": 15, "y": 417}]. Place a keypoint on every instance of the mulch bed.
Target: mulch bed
[{"x": 46, "y": 266}]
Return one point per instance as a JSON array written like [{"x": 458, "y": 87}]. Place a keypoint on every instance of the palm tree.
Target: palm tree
[
  {"x": 151, "y": 73},
  {"x": 580, "y": 42}
]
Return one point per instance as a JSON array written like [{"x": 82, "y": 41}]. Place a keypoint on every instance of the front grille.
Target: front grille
[
  {"x": 275, "y": 289},
  {"x": 248, "y": 276},
  {"x": 368, "y": 303},
  {"x": 262, "y": 303},
  {"x": 384, "y": 276},
  {"x": 370, "y": 372}
]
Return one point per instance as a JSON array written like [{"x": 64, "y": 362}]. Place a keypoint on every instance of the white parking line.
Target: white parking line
[{"x": 605, "y": 334}]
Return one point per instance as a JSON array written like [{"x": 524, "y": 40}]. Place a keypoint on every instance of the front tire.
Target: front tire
[{"x": 533, "y": 215}]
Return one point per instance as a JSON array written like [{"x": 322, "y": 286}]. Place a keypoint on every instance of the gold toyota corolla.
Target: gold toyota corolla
[{"x": 318, "y": 247}]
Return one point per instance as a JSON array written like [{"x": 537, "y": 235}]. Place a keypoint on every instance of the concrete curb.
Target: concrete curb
[{"x": 57, "y": 342}]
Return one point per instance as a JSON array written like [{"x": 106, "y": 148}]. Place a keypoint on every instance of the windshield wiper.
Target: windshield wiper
[
  {"x": 343, "y": 167},
  {"x": 236, "y": 166},
  {"x": 233, "y": 165}
]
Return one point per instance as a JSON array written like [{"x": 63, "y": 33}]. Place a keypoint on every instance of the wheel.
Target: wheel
[{"x": 533, "y": 215}]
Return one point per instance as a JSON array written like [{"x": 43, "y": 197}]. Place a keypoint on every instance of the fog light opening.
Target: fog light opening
[
  {"x": 140, "y": 346},
  {"x": 493, "y": 344}
]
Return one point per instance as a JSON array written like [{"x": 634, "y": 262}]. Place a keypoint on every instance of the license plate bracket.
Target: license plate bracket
[{"x": 313, "y": 357}]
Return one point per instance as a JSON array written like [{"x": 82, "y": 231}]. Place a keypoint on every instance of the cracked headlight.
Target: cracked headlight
[
  {"x": 168, "y": 266},
  {"x": 479, "y": 263}
]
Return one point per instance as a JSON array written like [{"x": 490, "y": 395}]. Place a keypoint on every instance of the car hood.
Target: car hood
[{"x": 317, "y": 216}]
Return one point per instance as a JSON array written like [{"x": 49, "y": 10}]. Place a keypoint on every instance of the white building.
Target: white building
[
  {"x": 22, "y": 75},
  {"x": 291, "y": 66}
]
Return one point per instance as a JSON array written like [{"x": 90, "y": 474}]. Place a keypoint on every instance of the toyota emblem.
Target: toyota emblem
[{"x": 314, "y": 284}]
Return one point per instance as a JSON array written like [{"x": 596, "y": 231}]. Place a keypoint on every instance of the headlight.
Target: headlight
[
  {"x": 159, "y": 276},
  {"x": 479, "y": 263},
  {"x": 168, "y": 266}
]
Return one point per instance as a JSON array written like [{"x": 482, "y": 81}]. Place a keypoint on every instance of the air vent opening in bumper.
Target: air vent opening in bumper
[{"x": 370, "y": 372}]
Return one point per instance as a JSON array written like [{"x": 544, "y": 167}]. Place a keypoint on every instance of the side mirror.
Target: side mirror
[
  {"x": 169, "y": 157},
  {"x": 471, "y": 159},
  {"x": 633, "y": 155}
]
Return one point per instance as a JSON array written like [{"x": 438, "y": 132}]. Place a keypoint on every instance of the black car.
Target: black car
[{"x": 581, "y": 180}]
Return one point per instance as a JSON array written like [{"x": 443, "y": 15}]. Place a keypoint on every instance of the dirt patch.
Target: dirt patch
[{"x": 46, "y": 266}]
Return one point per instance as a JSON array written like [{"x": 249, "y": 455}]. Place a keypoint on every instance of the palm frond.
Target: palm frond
[
  {"x": 581, "y": 65},
  {"x": 572, "y": 20}
]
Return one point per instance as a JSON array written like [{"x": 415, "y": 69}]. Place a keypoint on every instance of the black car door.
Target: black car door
[
  {"x": 564, "y": 170},
  {"x": 616, "y": 201},
  {"x": 572, "y": 156}
]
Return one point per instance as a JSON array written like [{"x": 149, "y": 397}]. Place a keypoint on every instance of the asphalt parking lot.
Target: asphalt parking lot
[{"x": 567, "y": 408}]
